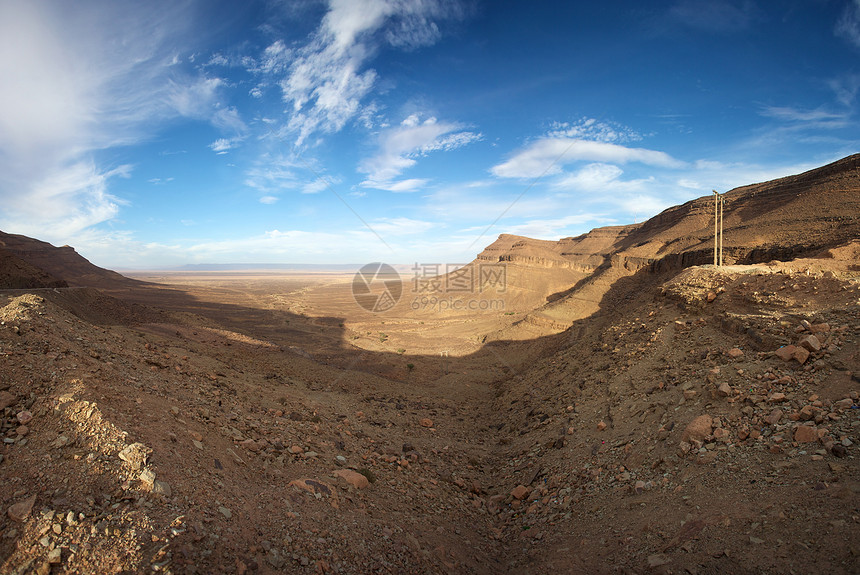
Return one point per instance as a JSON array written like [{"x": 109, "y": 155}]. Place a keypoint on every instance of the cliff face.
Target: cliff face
[
  {"x": 792, "y": 217},
  {"x": 28, "y": 260}
]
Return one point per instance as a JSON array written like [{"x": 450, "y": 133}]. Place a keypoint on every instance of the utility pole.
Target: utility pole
[
  {"x": 722, "y": 201},
  {"x": 719, "y": 200},
  {"x": 716, "y": 202}
]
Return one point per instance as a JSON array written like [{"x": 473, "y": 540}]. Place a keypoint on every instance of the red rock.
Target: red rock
[
  {"x": 601, "y": 426},
  {"x": 313, "y": 486},
  {"x": 698, "y": 429},
  {"x": 774, "y": 417},
  {"x": 22, "y": 430},
  {"x": 776, "y": 397},
  {"x": 721, "y": 434},
  {"x": 785, "y": 353},
  {"x": 426, "y": 422},
  {"x": 819, "y": 328},
  {"x": 24, "y": 417},
  {"x": 711, "y": 296},
  {"x": 843, "y": 404},
  {"x": 810, "y": 342},
  {"x": 520, "y": 492},
  {"x": 6, "y": 399},
  {"x": 805, "y": 434},
  {"x": 724, "y": 389},
  {"x": 800, "y": 354},
  {"x": 735, "y": 353},
  {"x": 354, "y": 478},
  {"x": 21, "y": 510}
]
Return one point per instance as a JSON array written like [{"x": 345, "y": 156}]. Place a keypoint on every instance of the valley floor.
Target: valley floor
[{"x": 702, "y": 421}]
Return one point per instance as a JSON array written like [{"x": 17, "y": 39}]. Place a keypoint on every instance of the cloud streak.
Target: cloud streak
[
  {"x": 400, "y": 146},
  {"x": 82, "y": 78},
  {"x": 327, "y": 80},
  {"x": 550, "y": 155}
]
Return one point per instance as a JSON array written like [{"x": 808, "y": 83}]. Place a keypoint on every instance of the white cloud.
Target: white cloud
[
  {"x": 556, "y": 228},
  {"x": 326, "y": 80},
  {"x": 549, "y": 155},
  {"x": 400, "y": 146},
  {"x": 268, "y": 200},
  {"x": 598, "y": 178},
  {"x": 715, "y": 15},
  {"x": 819, "y": 116},
  {"x": 848, "y": 26},
  {"x": 592, "y": 129},
  {"x": 401, "y": 226},
  {"x": 79, "y": 78}
]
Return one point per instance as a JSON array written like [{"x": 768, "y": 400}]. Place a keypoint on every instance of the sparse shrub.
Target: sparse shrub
[
  {"x": 410, "y": 366},
  {"x": 401, "y": 350}
]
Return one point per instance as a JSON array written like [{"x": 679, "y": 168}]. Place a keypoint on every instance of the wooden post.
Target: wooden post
[
  {"x": 716, "y": 201},
  {"x": 722, "y": 201}
]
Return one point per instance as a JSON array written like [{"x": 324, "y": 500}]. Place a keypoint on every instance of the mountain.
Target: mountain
[
  {"x": 28, "y": 263},
  {"x": 792, "y": 217}
]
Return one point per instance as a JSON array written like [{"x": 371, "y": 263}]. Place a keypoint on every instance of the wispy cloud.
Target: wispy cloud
[
  {"x": 848, "y": 26},
  {"x": 400, "y": 146},
  {"x": 549, "y": 155},
  {"x": 326, "y": 81},
  {"x": 715, "y": 15},
  {"x": 818, "y": 116},
  {"x": 78, "y": 78}
]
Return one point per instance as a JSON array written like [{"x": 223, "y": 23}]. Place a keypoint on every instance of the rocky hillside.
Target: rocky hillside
[
  {"x": 783, "y": 219},
  {"x": 27, "y": 262}
]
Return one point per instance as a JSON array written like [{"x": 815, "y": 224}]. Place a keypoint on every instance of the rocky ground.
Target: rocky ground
[{"x": 702, "y": 421}]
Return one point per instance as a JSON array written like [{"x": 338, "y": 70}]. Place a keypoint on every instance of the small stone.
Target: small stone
[
  {"x": 698, "y": 429},
  {"x": 639, "y": 487},
  {"x": 341, "y": 459},
  {"x": 658, "y": 560},
  {"x": 147, "y": 477},
  {"x": 774, "y": 417},
  {"x": 805, "y": 434},
  {"x": 689, "y": 393},
  {"x": 162, "y": 488},
  {"x": 60, "y": 442},
  {"x": 197, "y": 444},
  {"x": 820, "y": 328},
  {"x": 22, "y": 430},
  {"x": 810, "y": 342},
  {"x": 776, "y": 397},
  {"x": 801, "y": 354},
  {"x": 135, "y": 454},
  {"x": 55, "y": 555},
  {"x": 426, "y": 422},
  {"x": 735, "y": 353},
  {"x": 724, "y": 389},
  {"x": 839, "y": 450},
  {"x": 520, "y": 492},
  {"x": 843, "y": 404},
  {"x": 296, "y": 449},
  {"x": 785, "y": 353},
  {"x": 6, "y": 399},
  {"x": 21, "y": 510},
  {"x": 711, "y": 296},
  {"x": 601, "y": 426},
  {"x": 354, "y": 478},
  {"x": 225, "y": 512},
  {"x": 24, "y": 417}
]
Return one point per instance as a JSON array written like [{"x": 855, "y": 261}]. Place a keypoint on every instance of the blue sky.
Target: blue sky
[{"x": 154, "y": 134}]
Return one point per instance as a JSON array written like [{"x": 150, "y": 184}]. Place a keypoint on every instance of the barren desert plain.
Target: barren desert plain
[{"x": 610, "y": 403}]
